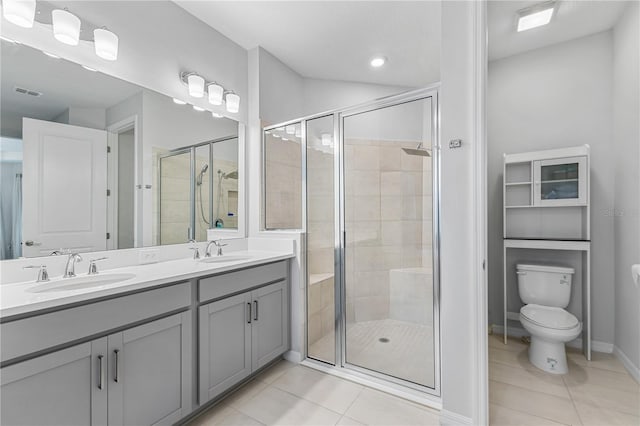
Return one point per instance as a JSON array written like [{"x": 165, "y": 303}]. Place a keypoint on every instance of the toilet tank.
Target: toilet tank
[{"x": 545, "y": 284}]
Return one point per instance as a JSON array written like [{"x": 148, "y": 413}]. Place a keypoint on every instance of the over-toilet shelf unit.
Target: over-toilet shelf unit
[{"x": 546, "y": 212}]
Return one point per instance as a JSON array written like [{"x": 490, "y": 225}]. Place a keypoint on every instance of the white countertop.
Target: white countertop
[{"x": 16, "y": 298}]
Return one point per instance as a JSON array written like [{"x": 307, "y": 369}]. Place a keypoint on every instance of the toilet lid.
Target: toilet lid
[{"x": 550, "y": 317}]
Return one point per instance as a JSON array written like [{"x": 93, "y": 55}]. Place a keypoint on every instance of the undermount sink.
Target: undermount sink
[
  {"x": 224, "y": 258},
  {"x": 83, "y": 282}
]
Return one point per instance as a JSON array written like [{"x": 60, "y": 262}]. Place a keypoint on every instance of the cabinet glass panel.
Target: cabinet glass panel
[{"x": 559, "y": 181}]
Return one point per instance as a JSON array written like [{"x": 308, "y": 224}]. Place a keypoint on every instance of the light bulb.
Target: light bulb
[
  {"x": 196, "y": 85},
  {"x": 106, "y": 44},
  {"x": 19, "y": 12},
  {"x": 66, "y": 27},
  {"x": 233, "y": 102},
  {"x": 216, "y": 93}
]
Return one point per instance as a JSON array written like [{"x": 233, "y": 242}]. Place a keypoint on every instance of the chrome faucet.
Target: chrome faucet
[
  {"x": 70, "y": 268},
  {"x": 196, "y": 251},
  {"x": 217, "y": 243}
]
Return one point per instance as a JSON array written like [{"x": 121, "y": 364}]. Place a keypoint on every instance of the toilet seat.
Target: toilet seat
[{"x": 549, "y": 317}]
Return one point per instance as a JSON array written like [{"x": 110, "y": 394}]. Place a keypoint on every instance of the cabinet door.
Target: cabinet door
[
  {"x": 270, "y": 337},
  {"x": 149, "y": 372},
  {"x": 67, "y": 387},
  {"x": 225, "y": 344}
]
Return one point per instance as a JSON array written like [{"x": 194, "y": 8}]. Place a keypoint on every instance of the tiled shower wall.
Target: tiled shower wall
[{"x": 388, "y": 222}]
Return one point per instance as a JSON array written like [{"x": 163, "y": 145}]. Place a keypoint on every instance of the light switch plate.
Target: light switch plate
[{"x": 148, "y": 256}]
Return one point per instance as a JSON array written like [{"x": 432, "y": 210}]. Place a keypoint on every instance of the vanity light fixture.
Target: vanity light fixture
[
  {"x": 216, "y": 93},
  {"x": 197, "y": 108},
  {"x": 378, "y": 61},
  {"x": 89, "y": 68},
  {"x": 196, "y": 85},
  {"x": 233, "y": 102},
  {"x": 19, "y": 12},
  {"x": 536, "y": 15},
  {"x": 66, "y": 27},
  {"x": 106, "y": 44},
  {"x": 179, "y": 101},
  {"x": 216, "y": 115}
]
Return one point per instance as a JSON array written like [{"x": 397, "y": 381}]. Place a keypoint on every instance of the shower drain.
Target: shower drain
[{"x": 383, "y": 340}]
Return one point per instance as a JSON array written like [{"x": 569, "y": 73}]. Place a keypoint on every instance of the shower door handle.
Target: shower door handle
[{"x": 30, "y": 243}]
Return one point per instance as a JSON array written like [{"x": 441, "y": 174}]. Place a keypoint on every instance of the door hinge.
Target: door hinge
[
  {"x": 108, "y": 236},
  {"x": 108, "y": 192},
  {"x": 108, "y": 150}
]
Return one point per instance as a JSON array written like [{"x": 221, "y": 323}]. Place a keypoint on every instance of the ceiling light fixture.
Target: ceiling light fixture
[
  {"x": 378, "y": 61},
  {"x": 536, "y": 15},
  {"x": 66, "y": 27},
  {"x": 106, "y": 44},
  {"x": 197, "y": 108},
  {"x": 179, "y": 101},
  {"x": 233, "y": 102},
  {"x": 19, "y": 12},
  {"x": 216, "y": 93}
]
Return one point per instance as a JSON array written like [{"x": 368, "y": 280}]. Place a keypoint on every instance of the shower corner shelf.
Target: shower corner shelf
[{"x": 546, "y": 207}]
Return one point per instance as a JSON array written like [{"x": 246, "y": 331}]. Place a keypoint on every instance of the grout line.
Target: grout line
[
  {"x": 573, "y": 402},
  {"x": 528, "y": 414}
]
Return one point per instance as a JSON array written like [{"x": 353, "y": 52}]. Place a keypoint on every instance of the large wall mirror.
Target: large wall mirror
[{"x": 90, "y": 162}]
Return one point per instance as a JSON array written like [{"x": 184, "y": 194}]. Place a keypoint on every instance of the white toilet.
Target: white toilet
[{"x": 546, "y": 291}]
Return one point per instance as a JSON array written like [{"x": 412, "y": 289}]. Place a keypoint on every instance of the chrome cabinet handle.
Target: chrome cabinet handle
[
  {"x": 249, "y": 317},
  {"x": 255, "y": 315},
  {"x": 100, "y": 372},
  {"x": 116, "y": 352}
]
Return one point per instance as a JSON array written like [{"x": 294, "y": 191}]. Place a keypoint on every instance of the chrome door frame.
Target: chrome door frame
[{"x": 428, "y": 92}]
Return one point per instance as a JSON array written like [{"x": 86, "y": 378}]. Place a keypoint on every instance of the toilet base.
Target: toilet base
[{"x": 548, "y": 356}]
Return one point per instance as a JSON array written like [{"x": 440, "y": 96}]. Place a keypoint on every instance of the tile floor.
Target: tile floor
[
  {"x": 289, "y": 394},
  {"x": 406, "y": 353},
  {"x": 598, "y": 392}
]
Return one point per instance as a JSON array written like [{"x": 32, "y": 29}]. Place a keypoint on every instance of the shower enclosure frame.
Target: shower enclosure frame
[
  {"x": 338, "y": 115},
  {"x": 191, "y": 149}
]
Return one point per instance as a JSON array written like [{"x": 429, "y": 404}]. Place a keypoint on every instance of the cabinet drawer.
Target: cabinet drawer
[
  {"x": 37, "y": 333},
  {"x": 224, "y": 285}
]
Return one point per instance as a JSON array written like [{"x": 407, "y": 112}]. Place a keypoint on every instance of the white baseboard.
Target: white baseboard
[
  {"x": 293, "y": 356},
  {"x": 450, "y": 418},
  {"x": 624, "y": 359},
  {"x": 596, "y": 345}
]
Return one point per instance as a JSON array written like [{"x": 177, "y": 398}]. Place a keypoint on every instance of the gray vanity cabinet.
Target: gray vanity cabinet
[
  {"x": 149, "y": 372},
  {"x": 240, "y": 334},
  {"x": 67, "y": 387}
]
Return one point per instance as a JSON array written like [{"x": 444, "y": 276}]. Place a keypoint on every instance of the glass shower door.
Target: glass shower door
[{"x": 390, "y": 326}]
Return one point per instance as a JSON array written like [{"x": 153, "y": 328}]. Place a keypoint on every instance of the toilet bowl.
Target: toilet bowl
[
  {"x": 550, "y": 328},
  {"x": 546, "y": 291}
]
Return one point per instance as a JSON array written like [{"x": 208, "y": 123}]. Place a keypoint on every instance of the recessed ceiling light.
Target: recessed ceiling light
[
  {"x": 89, "y": 68},
  {"x": 51, "y": 55},
  {"x": 536, "y": 15},
  {"x": 179, "y": 101},
  {"x": 378, "y": 61},
  {"x": 197, "y": 108}
]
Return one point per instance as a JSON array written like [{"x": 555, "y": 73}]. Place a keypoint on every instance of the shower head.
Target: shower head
[
  {"x": 230, "y": 175},
  {"x": 419, "y": 151},
  {"x": 203, "y": 170}
]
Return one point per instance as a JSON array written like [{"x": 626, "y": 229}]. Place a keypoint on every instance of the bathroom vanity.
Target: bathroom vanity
[{"x": 147, "y": 350}]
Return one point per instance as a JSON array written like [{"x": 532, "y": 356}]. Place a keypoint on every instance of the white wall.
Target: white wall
[
  {"x": 156, "y": 44},
  {"x": 93, "y": 118},
  {"x": 626, "y": 148},
  {"x": 461, "y": 277},
  {"x": 554, "y": 97}
]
